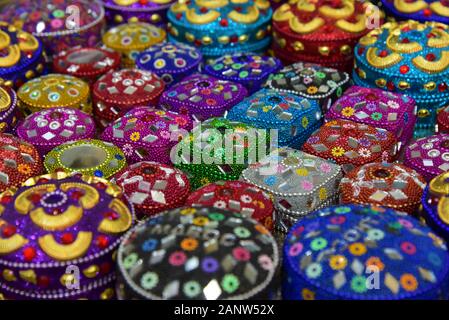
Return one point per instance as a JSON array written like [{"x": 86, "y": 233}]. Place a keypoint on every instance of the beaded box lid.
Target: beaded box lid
[
  {"x": 90, "y": 157},
  {"x": 443, "y": 120},
  {"x": 54, "y": 221},
  {"x": 171, "y": 62},
  {"x": 294, "y": 117},
  {"x": 226, "y": 257},
  {"x": 248, "y": 69},
  {"x": 391, "y": 185},
  {"x": 153, "y": 187},
  {"x": 221, "y": 27},
  {"x": 145, "y": 133},
  {"x": 420, "y": 10},
  {"x": 352, "y": 144},
  {"x": 8, "y": 109},
  {"x": 407, "y": 259},
  {"x": 236, "y": 196},
  {"x": 20, "y": 161},
  {"x": 202, "y": 96},
  {"x": 49, "y": 128},
  {"x": 429, "y": 156}
]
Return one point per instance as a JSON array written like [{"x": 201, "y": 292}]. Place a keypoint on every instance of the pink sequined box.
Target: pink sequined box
[{"x": 390, "y": 111}]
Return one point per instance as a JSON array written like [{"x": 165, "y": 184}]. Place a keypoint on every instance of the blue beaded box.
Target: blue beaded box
[
  {"x": 171, "y": 62},
  {"x": 294, "y": 118},
  {"x": 250, "y": 70},
  {"x": 419, "y": 10},
  {"x": 219, "y": 27},
  {"x": 361, "y": 252},
  {"x": 409, "y": 58}
]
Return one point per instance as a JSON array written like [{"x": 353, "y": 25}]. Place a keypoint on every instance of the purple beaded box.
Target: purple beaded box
[
  {"x": 429, "y": 156},
  {"x": 146, "y": 134},
  {"x": 382, "y": 109},
  {"x": 58, "y": 232},
  {"x": 48, "y": 129},
  {"x": 171, "y": 62},
  {"x": 150, "y": 11},
  {"x": 250, "y": 70},
  {"x": 8, "y": 109},
  {"x": 202, "y": 96}
]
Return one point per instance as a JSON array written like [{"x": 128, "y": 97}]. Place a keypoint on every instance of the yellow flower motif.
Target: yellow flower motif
[
  {"x": 308, "y": 294},
  {"x": 302, "y": 172},
  {"x": 160, "y": 113},
  {"x": 24, "y": 168},
  {"x": 305, "y": 122},
  {"x": 25, "y": 148},
  {"x": 357, "y": 249},
  {"x": 347, "y": 112},
  {"x": 200, "y": 221},
  {"x": 135, "y": 136},
  {"x": 204, "y": 181},
  {"x": 337, "y": 151},
  {"x": 323, "y": 194},
  {"x": 266, "y": 108},
  {"x": 188, "y": 211},
  {"x": 338, "y": 262},
  {"x": 312, "y": 90}
]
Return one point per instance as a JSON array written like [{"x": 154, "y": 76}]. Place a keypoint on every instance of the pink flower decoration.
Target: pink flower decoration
[{"x": 307, "y": 185}]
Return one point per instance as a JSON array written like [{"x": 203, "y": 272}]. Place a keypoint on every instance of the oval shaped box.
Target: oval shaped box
[
  {"x": 352, "y": 144},
  {"x": 298, "y": 182},
  {"x": 391, "y": 185},
  {"x": 429, "y": 156},
  {"x": 250, "y": 70},
  {"x": 152, "y": 11},
  {"x": 420, "y": 10},
  {"x": 392, "y": 257},
  {"x": 409, "y": 58},
  {"x": 119, "y": 91},
  {"x": 322, "y": 32},
  {"x": 130, "y": 39},
  {"x": 8, "y": 110},
  {"x": 171, "y": 62},
  {"x": 90, "y": 157},
  {"x": 56, "y": 221},
  {"x": 294, "y": 118},
  {"x": 443, "y": 121},
  {"x": 153, "y": 187},
  {"x": 54, "y": 90},
  {"x": 24, "y": 56},
  {"x": 86, "y": 63},
  {"x": 20, "y": 161},
  {"x": 211, "y": 254},
  {"x": 202, "y": 96},
  {"x": 435, "y": 205},
  {"x": 382, "y": 109},
  {"x": 236, "y": 196},
  {"x": 312, "y": 82},
  {"x": 221, "y": 27},
  {"x": 49, "y": 128},
  {"x": 58, "y": 24},
  {"x": 147, "y": 134}
]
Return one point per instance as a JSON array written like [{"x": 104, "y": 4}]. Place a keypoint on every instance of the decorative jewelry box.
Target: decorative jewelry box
[{"x": 419, "y": 10}]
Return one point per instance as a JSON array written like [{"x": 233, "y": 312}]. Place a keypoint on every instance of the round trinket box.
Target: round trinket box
[
  {"x": 147, "y": 134},
  {"x": 209, "y": 253},
  {"x": 153, "y": 187},
  {"x": 61, "y": 24},
  {"x": 219, "y": 27},
  {"x": 119, "y": 91},
  {"x": 54, "y": 90},
  {"x": 393, "y": 112},
  {"x": 236, "y": 196},
  {"x": 23, "y": 58},
  {"x": 435, "y": 205},
  {"x": 86, "y": 63},
  {"x": 410, "y": 58},
  {"x": 60, "y": 233},
  {"x": 352, "y": 144},
  {"x": 294, "y": 118},
  {"x": 20, "y": 161},
  {"x": 390, "y": 185},
  {"x": 312, "y": 82},
  {"x": 202, "y": 96},
  {"x": 8, "y": 109},
  {"x": 130, "y": 39},
  {"x": 364, "y": 253},
  {"x": 49, "y": 128},
  {"x": 250, "y": 70},
  {"x": 322, "y": 32},
  {"x": 419, "y": 10},
  {"x": 429, "y": 156},
  {"x": 89, "y": 157},
  {"x": 219, "y": 149},
  {"x": 298, "y": 182},
  {"x": 171, "y": 62},
  {"x": 443, "y": 121},
  {"x": 150, "y": 11}
]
